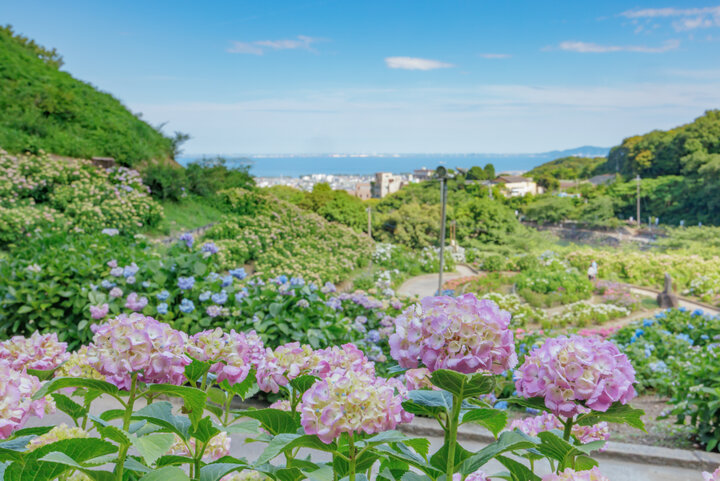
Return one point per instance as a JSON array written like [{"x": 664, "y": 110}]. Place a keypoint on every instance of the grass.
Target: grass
[{"x": 190, "y": 213}]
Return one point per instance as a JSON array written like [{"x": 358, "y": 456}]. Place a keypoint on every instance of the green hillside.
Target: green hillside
[
  {"x": 42, "y": 107},
  {"x": 568, "y": 168},
  {"x": 692, "y": 150}
]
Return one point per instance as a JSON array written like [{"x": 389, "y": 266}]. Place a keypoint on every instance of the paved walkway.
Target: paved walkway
[
  {"x": 427, "y": 284},
  {"x": 615, "y": 470}
]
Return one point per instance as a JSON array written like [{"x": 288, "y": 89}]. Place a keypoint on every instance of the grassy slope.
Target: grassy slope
[
  {"x": 42, "y": 107},
  {"x": 188, "y": 214}
]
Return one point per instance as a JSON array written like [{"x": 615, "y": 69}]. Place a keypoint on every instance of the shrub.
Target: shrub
[{"x": 494, "y": 262}]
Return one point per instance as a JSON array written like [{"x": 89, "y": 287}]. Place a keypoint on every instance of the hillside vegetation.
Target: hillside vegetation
[
  {"x": 568, "y": 168},
  {"x": 44, "y": 108}
]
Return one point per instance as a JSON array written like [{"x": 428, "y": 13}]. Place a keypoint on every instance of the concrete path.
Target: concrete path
[
  {"x": 614, "y": 469},
  {"x": 427, "y": 284}
]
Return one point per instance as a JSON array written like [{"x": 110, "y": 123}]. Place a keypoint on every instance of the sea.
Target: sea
[{"x": 367, "y": 164}]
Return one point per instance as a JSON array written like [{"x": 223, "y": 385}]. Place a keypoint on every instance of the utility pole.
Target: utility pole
[
  {"x": 369, "y": 222},
  {"x": 442, "y": 174},
  {"x": 638, "y": 200}
]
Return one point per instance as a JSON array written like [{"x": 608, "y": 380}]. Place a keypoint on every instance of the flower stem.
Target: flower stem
[
  {"x": 353, "y": 459},
  {"x": 451, "y": 436},
  {"x": 126, "y": 425},
  {"x": 568, "y": 429}
]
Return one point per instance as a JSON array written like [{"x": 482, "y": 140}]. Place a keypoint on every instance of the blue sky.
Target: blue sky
[{"x": 391, "y": 76}]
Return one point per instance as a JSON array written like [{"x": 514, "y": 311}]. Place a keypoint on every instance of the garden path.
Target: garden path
[
  {"x": 614, "y": 469},
  {"x": 426, "y": 284}
]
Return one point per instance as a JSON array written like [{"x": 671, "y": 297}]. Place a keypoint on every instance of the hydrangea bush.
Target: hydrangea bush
[{"x": 334, "y": 401}]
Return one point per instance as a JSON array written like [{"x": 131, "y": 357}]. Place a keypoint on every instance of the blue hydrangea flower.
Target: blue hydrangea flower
[
  {"x": 107, "y": 284},
  {"x": 697, "y": 312},
  {"x": 220, "y": 297},
  {"x": 130, "y": 270},
  {"x": 210, "y": 248},
  {"x": 146, "y": 284},
  {"x": 682, "y": 309},
  {"x": 373, "y": 336},
  {"x": 303, "y": 304},
  {"x": 163, "y": 295},
  {"x": 238, "y": 273},
  {"x": 186, "y": 282},
  {"x": 130, "y": 280},
  {"x": 501, "y": 405},
  {"x": 187, "y": 306},
  {"x": 297, "y": 281},
  {"x": 188, "y": 239},
  {"x": 241, "y": 294},
  {"x": 704, "y": 337},
  {"x": 162, "y": 308},
  {"x": 648, "y": 322},
  {"x": 684, "y": 337},
  {"x": 204, "y": 296},
  {"x": 212, "y": 277},
  {"x": 227, "y": 281}
]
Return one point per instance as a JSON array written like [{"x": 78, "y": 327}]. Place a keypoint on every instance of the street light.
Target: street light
[{"x": 441, "y": 173}]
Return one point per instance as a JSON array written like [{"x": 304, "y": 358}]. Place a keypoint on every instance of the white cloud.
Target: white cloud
[
  {"x": 495, "y": 55},
  {"x": 259, "y": 47},
  {"x": 589, "y": 47},
  {"x": 687, "y": 18},
  {"x": 413, "y": 63}
]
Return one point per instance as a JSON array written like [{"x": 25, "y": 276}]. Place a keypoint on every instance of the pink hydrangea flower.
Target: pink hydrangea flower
[
  {"x": 291, "y": 360},
  {"x": 233, "y": 354},
  {"x": 245, "y": 475},
  {"x": 478, "y": 475},
  {"x": 714, "y": 476},
  {"x": 216, "y": 448},
  {"x": 99, "y": 312},
  {"x": 116, "y": 292},
  {"x": 77, "y": 366},
  {"x": 571, "y": 475},
  {"x": 352, "y": 401},
  {"x": 281, "y": 404},
  {"x": 569, "y": 370},
  {"x": 138, "y": 344},
  {"x": 548, "y": 421},
  {"x": 418, "y": 378},
  {"x": 39, "y": 351},
  {"x": 459, "y": 333},
  {"x": 135, "y": 303},
  {"x": 16, "y": 405}
]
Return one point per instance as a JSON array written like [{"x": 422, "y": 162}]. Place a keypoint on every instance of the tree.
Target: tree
[
  {"x": 550, "y": 210},
  {"x": 489, "y": 171},
  {"x": 548, "y": 183},
  {"x": 476, "y": 173}
]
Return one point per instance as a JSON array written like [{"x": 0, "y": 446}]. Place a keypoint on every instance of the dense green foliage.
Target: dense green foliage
[
  {"x": 45, "y": 108},
  {"x": 568, "y": 168},
  {"x": 333, "y": 205},
  {"x": 278, "y": 237},
  {"x": 43, "y": 194},
  {"x": 203, "y": 178}
]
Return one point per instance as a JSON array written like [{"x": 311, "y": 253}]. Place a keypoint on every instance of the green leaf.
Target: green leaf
[
  {"x": 79, "y": 449},
  {"x": 440, "y": 458},
  {"x": 384, "y": 437},
  {"x": 303, "y": 383},
  {"x": 160, "y": 414},
  {"x": 286, "y": 441},
  {"x": 110, "y": 431},
  {"x": 519, "y": 471},
  {"x": 507, "y": 441},
  {"x": 193, "y": 398},
  {"x": 43, "y": 375},
  {"x": 215, "y": 471},
  {"x": 168, "y": 473},
  {"x": 205, "y": 430},
  {"x": 419, "y": 445},
  {"x": 65, "y": 382},
  {"x": 34, "y": 431},
  {"x": 196, "y": 369},
  {"x": 428, "y": 403},
  {"x": 152, "y": 446},
  {"x": 462, "y": 385},
  {"x": 537, "y": 403},
  {"x": 492, "y": 419},
  {"x": 273, "y": 420},
  {"x": 617, "y": 413},
  {"x": 245, "y": 389},
  {"x": 68, "y": 406},
  {"x": 12, "y": 450},
  {"x": 251, "y": 426},
  {"x": 402, "y": 453},
  {"x": 199, "y": 268},
  {"x": 554, "y": 447}
]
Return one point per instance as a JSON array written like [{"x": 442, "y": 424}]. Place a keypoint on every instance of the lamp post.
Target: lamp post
[
  {"x": 441, "y": 173},
  {"x": 638, "y": 200}
]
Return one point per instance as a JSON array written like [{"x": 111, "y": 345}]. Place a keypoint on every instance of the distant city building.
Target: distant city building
[
  {"x": 362, "y": 190},
  {"x": 386, "y": 183},
  {"x": 517, "y": 186},
  {"x": 423, "y": 174}
]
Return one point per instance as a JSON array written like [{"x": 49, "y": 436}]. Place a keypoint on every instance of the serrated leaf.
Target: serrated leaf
[
  {"x": 440, "y": 459},
  {"x": 273, "y": 420},
  {"x": 12, "y": 450},
  {"x": 492, "y": 419},
  {"x": 303, "y": 383},
  {"x": 519, "y": 471},
  {"x": 205, "y": 430},
  {"x": 463, "y": 386},
  {"x": 507, "y": 441},
  {"x": 65, "y": 382},
  {"x": 537, "y": 403},
  {"x": 160, "y": 414},
  {"x": 617, "y": 413},
  {"x": 196, "y": 369},
  {"x": 152, "y": 446},
  {"x": 193, "y": 398},
  {"x": 402, "y": 453},
  {"x": 110, "y": 431},
  {"x": 215, "y": 471},
  {"x": 286, "y": 441},
  {"x": 168, "y": 473},
  {"x": 428, "y": 403},
  {"x": 68, "y": 406}
]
